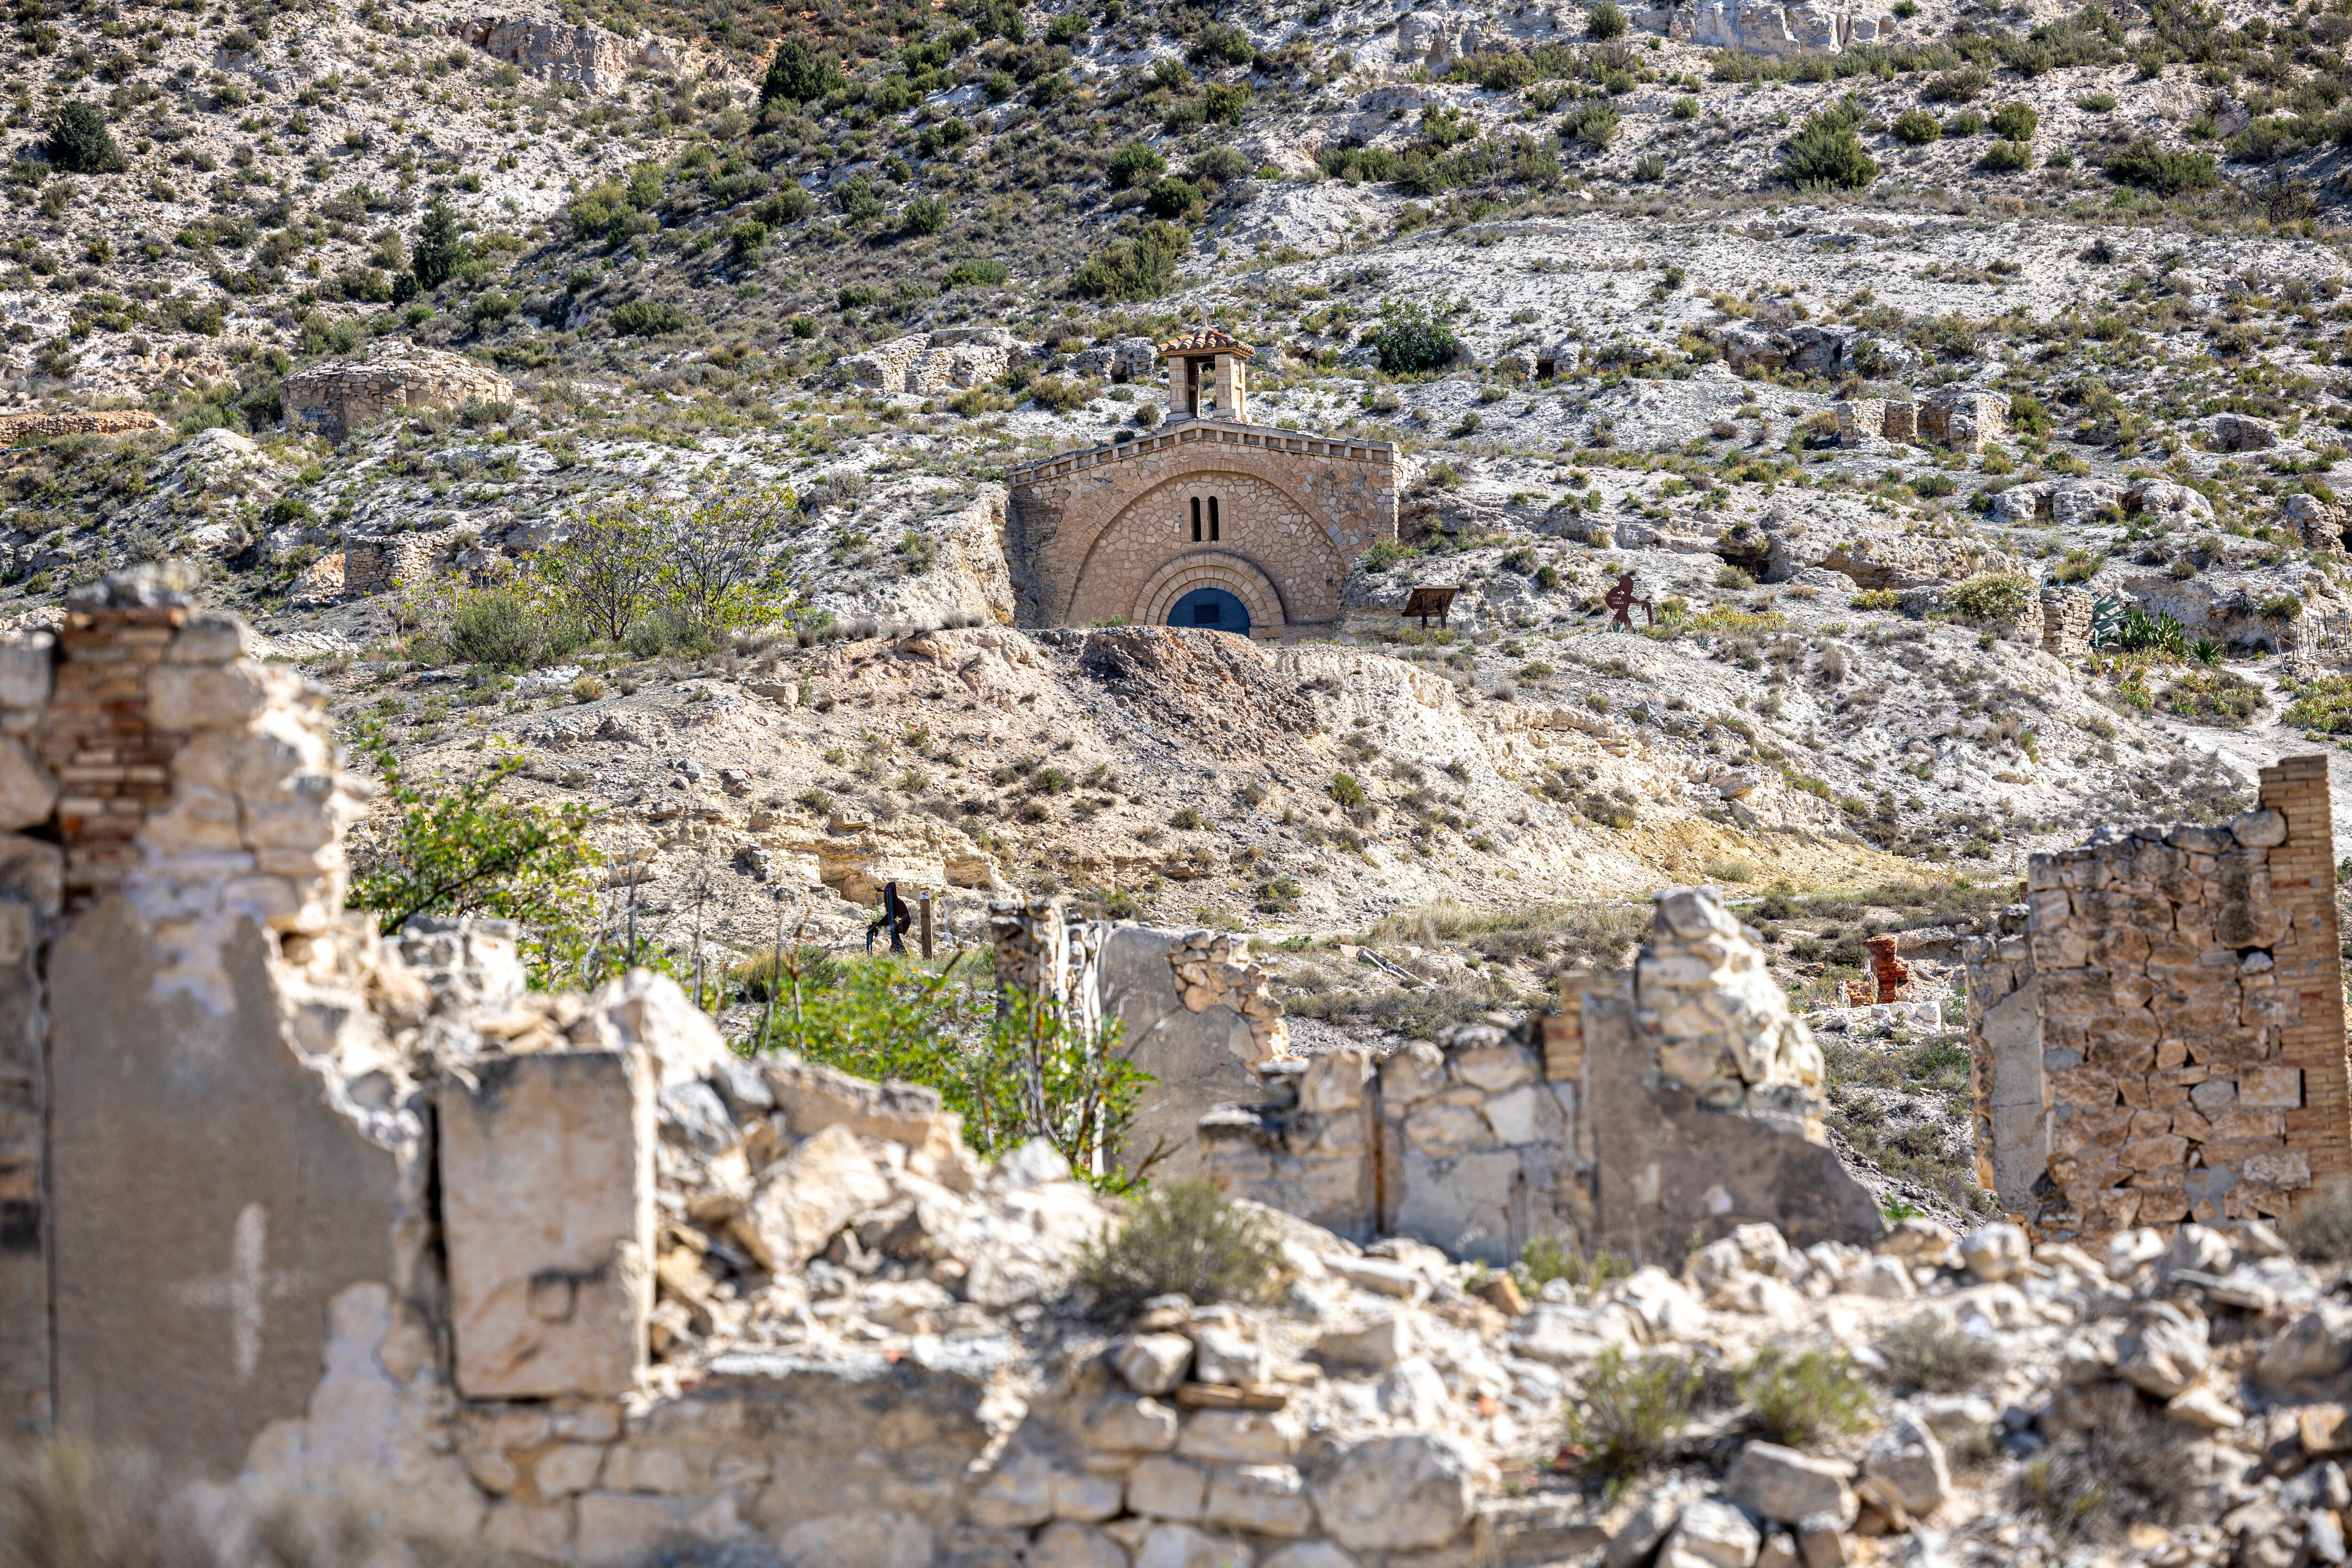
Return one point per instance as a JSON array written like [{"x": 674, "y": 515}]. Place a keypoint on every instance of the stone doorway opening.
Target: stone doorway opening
[{"x": 1211, "y": 609}]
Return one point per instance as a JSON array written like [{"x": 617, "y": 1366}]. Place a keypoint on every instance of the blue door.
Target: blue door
[{"x": 1212, "y": 609}]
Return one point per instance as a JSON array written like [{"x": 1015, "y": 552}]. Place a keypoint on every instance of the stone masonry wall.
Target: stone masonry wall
[
  {"x": 1484, "y": 1140},
  {"x": 338, "y": 398},
  {"x": 1107, "y": 534},
  {"x": 2172, "y": 997}
]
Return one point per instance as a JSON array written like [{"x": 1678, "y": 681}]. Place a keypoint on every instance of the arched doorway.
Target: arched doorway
[{"x": 1211, "y": 609}]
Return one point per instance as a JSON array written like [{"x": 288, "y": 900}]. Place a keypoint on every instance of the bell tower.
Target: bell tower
[{"x": 1208, "y": 375}]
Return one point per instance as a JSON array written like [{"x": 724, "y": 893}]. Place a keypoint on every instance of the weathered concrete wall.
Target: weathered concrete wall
[
  {"x": 1107, "y": 534},
  {"x": 2182, "y": 986}
]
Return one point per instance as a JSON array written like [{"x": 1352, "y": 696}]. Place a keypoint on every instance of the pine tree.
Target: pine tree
[
  {"x": 440, "y": 250},
  {"x": 797, "y": 76}
]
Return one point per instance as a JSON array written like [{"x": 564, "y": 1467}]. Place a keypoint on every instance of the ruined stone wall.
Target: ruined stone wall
[
  {"x": 591, "y": 56},
  {"x": 1107, "y": 534},
  {"x": 1962, "y": 420},
  {"x": 15, "y": 428},
  {"x": 340, "y": 396},
  {"x": 1686, "y": 1103},
  {"x": 2172, "y": 997},
  {"x": 931, "y": 362}
]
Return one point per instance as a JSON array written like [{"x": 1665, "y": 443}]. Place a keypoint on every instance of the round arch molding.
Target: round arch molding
[
  {"x": 1211, "y": 569},
  {"x": 1205, "y": 463}
]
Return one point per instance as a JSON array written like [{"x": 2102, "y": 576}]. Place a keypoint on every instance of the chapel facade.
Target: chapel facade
[{"x": 1208, "y": 520}]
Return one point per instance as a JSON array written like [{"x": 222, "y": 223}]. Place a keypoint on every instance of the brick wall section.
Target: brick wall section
[
  {"x": 2183, "y": 987},
  {"x": 2311, "y": 1037},
  {"x": 1891, "y": 976},
  {"x": 1105, "y": 533},
  {"x": 113, "y": 768}
]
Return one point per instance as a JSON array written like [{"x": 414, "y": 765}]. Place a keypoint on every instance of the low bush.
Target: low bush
[
  {"x": 2007, "y": 158},
  {"x": 1142, "y": 267},
  {"x": 1548, "y": 1257},
  {"x": 1796, "y": 1399},
  {"x": 970, "y": 273},
  {"x": 1626, "y": 1414},
  {"x": 1170, "y": 197},
  {"x": 1921, "y": 1355},
  {"x": 1917, "y": 128},
  {"x": 1413, "y": 339},
  {"x": 1991, "y": 596},
  {"x": 647, "y": 319},
  {"x": 2015, "y": 122},
  {"x": 1825, "y": 154},
  {"x": 2149, "y": 167},
  {"x": 1134, "y": 165},
  {"x": 1181, "y": 1241},
  {"x": 1607, "y": 21}
]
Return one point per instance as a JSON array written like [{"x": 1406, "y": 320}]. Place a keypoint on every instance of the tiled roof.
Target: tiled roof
[{"x": 1207, "y": 339}]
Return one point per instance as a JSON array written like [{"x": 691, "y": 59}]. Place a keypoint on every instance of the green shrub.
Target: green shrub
[
  {"x": 1186, "y": 818},
  {"x": 1345, "y": 791},
  {"x": 2015, "y": 122},
  {"x": 1991, "y": 596},
  {"x": 1171, "y": 197},
  {"x": 79, "y": 142},
  {"x": 1224, "y": 102},
  {"x": 1278, "y": 897},
  {"x": 1607, "y": 21},
  {"x": 1548, "y": 1257},
  {"x": 1134, "y": 165},
  {"x": 1183, "y": 1240},
  {"x": 1596, "y": 124},
  {"x": 1917, "y": 128},
  {"x": 2158, "y": 633},
  {"x": 1920, "y": 1354},
  {"x": 2007, "y": 158},
  {"x": 1967, "y": 122},
  {"x": 2149, "y": 167},
  {"x": 789, "y": 203},
  {"x": 1877, "y": 599},
  {"x": 1140, "y": 268},
  {"x": 1825, "y": 154},
  {"x": 970, "y": 273},
  {"x": 1960, "y": 86},
  {"x": 1411, "y": 338},
  {"x": 797, "y": 76},
  {"x": 923, "y": 216},
  {"x": 747, "y": 240},
  {"x": 2095, "y": 102},
  {"x": 1797, "y": 1399},
  {"x": 2282, "y": 607},
  {"x": 647, "y": 319},
  {"x": 1624, "y": 1415},
  {"x": 504, "y": 629},
  {"x": 1223, "y": 44}
]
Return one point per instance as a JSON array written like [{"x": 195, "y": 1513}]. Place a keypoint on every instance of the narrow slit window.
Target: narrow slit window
[
  {"x": 1213, "y": 517},
  {"x": 1196, "y": 519}
]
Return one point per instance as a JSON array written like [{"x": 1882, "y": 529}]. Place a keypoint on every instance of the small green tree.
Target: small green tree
[
  {"x": 796, "y": 75},
  {"x": 453, "y": 847},
  {"x": 2015, "y": 122},
  {"x": 440, "y": 249},
  {"x": 1607, "y": 21},
  {"x": 605, "y": 571},
  {"x": 924, "y": 216},
  {"x": 720, "y": 568},
  {"x": 79, "y": 142}
]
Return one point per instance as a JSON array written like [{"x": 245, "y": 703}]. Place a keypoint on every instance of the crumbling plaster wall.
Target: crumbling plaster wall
[{"x": 2157, "y": 1033}]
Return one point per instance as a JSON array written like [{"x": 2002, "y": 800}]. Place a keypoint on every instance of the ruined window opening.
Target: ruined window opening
[
  {"x": 1212, "y": 518},
  {"x": 1196, "y": 519}
]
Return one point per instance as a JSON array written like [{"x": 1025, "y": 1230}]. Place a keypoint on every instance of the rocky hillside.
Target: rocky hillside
[{"x": 1604, "y": 284}]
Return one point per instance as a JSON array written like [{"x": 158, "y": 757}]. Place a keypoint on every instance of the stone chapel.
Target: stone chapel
[{"x": 1208, "y": 520}]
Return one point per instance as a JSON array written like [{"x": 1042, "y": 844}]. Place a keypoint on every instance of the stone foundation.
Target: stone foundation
[
  {"x": 2168, "y": 1000},
  {"x": 1963, "y": 421},
  {"x": 15, "y": 428}
]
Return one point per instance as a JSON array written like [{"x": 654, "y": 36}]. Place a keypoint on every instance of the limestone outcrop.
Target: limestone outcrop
[
  {"x": 577, "y": 52},
  {"x": 1765, "y": 28},
  {"x": 15, "y": 428},
  {"x": 926, "y": 362}
]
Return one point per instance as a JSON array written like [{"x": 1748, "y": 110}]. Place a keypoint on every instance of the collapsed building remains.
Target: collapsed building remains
[
  {"x": 564, "y": 1276},
  {"x": 2158, "y": 1029}
]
